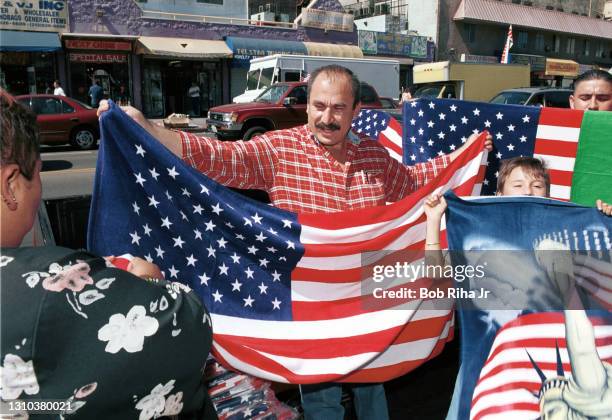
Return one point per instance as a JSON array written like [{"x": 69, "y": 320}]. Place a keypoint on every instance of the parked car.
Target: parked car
[
  {"x": 64, "y": 120},
  {"x": 282, "y": 105},
  {"x": 538, "y": 96},
  {"x": 389, "y": 103}
]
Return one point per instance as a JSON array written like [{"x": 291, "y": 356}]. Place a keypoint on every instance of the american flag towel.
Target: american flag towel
[
  {"x": 498, "y": 379},
  {"x": 283, "y": 289},
  {"x": 439, "y": 126},
  {"x": 382, "y": 126}
]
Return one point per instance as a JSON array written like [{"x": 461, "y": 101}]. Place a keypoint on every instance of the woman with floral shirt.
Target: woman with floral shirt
[{"x": 80, "y": 338}]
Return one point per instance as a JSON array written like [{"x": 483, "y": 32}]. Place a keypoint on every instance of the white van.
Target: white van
[{"x": 382, "y": 74}]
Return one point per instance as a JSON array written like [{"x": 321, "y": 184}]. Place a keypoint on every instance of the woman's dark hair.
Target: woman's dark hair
[
  {"x": 19, "y": 133},
  {"x": 336, "y": 70}
]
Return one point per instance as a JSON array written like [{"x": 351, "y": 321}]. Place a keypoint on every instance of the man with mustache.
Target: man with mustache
[{"x": 318, "y": 167}]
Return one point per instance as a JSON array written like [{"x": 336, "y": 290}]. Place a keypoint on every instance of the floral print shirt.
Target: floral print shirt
[{"x": 110, "y": 344}]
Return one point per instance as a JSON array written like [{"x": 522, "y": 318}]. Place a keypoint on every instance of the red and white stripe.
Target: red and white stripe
[
  {"x": 339, "y": 332},
  {"x": 508, "y": 383},
  {"x": 391, "y": 138},
  {"x": 556, "y": 144}
]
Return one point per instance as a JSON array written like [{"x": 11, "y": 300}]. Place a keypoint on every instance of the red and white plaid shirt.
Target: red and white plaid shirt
[{"x": 300, "y": 175}]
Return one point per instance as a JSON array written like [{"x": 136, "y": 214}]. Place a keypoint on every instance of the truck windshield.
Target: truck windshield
[
  {"x": 516, "y": 98},
  {"x": 266, "y": 77},
  {"x": 252, "y": 79},
  {"x": 435, "y": 91},
  {"x": 272, "y": 94}
]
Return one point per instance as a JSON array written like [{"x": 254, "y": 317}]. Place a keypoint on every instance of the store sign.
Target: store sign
[
  {"x": 537, "y": 62},
  {"x": 91, "y": 44},
  {"x": 393, "y": 44},
  {"x": 97, "y": 58},
  {"x": 323, "y": 19},
  {"x": 39, "y": 15},
  {"x": 561, "y": 68},
  {"x": 481, "y": 59},
  {"x": 367, "y": 42}
]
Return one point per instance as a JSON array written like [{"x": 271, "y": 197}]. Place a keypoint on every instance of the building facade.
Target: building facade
[
  {"x": 558, "y": 45},
  {"x": 150, "y": 52}
]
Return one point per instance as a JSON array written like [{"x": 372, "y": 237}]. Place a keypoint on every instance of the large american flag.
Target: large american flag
[
  {"x": 284, "y": 290},
  {"x": 439, "y": 126},
  {"x": 382, "y": 126}
]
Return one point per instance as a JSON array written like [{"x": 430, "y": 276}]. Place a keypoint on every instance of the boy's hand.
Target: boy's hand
[
  {"x": 144, "y": 269},
  {"x": 605, "y": 208},
  {"x": 434, "y": 207}
]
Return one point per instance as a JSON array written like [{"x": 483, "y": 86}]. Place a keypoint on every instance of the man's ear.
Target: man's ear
[{"x": 571, "y": 101}]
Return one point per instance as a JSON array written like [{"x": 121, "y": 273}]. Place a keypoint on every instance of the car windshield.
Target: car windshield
[
  {"x": 514, "y": 98},
  {"x": 272, "y": 94},
  {"x": 252, "y": 79}
]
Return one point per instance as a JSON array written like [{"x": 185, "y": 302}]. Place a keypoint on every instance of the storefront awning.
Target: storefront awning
[
  {"x": 333, "y": 50},
  {"x": 29, "y": 41},
  {"x": 247, "y": 48},
  {"x": 558, "y": 67},
  {"x": 182, "y": 47}
]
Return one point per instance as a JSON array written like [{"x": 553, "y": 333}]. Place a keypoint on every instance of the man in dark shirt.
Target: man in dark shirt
[{"x": 96, "y": 93}]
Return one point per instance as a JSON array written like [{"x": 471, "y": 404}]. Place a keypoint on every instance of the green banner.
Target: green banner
[{"x": 592, "y": 177}]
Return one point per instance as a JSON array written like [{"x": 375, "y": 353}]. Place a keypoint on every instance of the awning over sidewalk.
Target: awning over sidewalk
[
  {"x": 182, "y": 47},
  {"x": 248, "y": 48},
  {"x": 29, "y": 41},
  {"x": 558, "y": 67},
  {"x": 333, "y": 50}
]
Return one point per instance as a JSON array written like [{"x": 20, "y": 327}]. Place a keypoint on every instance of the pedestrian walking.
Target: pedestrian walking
[
  {"x": 194, "y": 94},
  {"x": 57, "y": 89},
  {"x": 96, "y": 93}
]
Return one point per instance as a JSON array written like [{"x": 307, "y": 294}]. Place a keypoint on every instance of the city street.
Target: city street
[{"x": 66, "y": 172}]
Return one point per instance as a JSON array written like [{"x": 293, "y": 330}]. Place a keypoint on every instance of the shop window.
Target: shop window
[
  {"x": 586, "y": 49},
  {"x": 522, "y": 39},
  {"x": 556, "y": 43},
  {"x": 470, "y": 32},
  {"x": 571, "y": 45},
  {"x": 539, "y": 42}
]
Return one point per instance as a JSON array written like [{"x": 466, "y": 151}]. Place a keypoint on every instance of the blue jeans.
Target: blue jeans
[{"x": 323, "y": 401}]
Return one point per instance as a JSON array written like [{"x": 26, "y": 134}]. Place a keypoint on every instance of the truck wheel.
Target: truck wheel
[
  {"x": 253, "y": 131},
  {"x": 83, "y": 138}
]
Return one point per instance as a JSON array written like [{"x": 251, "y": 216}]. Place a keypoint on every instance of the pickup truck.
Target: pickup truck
[{"x": 282, "y": 105}]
